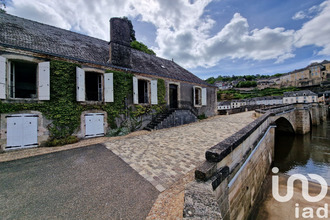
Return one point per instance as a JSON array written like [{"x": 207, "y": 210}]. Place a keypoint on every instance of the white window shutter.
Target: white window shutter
[
  {"x": 80, "y": 81},
  {"x": 135, "y": 91},
  {"x": 204, "y": 95},
  {"x": 108, "y": 87},
  {"x": 44, "y": 81},
  {"x": 2, "y": 77},
  {"x": 154, "y": 94}
]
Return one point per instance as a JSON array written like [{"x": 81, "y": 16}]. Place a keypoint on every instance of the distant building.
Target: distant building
[
  {"x": 265, "y": 83},
  {"x": 223, "y": 85},
  {"x": 324, "y": 97},
  {"x": 224, "y": 105},
  {"x": 238, "y": 103},
  {"x": 269, "y": 100},
  {"x": 304, "y": 96},
  {"x": 313, "y": 74}
]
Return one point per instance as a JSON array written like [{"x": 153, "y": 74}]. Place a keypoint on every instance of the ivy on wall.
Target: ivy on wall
[{"x": 65, "y": 111}]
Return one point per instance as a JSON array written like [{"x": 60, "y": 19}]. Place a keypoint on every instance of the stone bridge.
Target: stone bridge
[{"x": 227, "y": 184}]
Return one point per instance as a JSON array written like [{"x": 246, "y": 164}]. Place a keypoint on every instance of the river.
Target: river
[
  {"x": 303, "y": 154},
  {"x": 296, "y": 154}
]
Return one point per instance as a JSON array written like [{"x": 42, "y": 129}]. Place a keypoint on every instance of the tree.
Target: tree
[
  {"x": 246, "y": 84},
  {"x": 210, "y": 80},
  {"x": 2, "y": 6}
]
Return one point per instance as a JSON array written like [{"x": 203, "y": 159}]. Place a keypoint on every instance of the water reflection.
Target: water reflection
[{"x": 304, "y": 154}]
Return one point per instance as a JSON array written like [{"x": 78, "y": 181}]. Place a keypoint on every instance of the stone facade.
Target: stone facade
[
  {"x": 178, "y": 117},
  {"x": 43, "y": 123},
  {"x": 35, "y": 42}
]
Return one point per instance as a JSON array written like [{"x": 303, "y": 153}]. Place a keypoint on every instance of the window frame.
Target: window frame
[
  {"x": 10, "y": 73},
  {"x": 42, "y": 72},
  {"x": 199, "y": 89},
  {"x": 106, "y": 87},
  {"x": 100, "y": 82},
  {"x": 179, "y": 92},
  {"x": 146, "y": 91},
  {"x": 152, "y": 90}
]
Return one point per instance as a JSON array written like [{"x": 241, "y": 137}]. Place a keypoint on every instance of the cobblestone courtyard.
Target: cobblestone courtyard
[{"x": 165, "y": 156}]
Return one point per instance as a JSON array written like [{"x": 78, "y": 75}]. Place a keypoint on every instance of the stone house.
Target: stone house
[
  {"x": 224, "y": 105},
  {"x": 237, "y": 103},
  {"x": 266, "y": 83},
  {"x": 324, "y": 97},
  {"x": 312, "y": 75},
  {"x": 33, "y": 58},
  {"x": 304, "y": 96}
]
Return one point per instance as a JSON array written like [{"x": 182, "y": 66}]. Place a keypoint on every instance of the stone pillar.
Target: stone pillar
[
  {"x": 323, "y": 112},
  {"x": 315, "y": 113},
  {"x": 120, "y": 49},
  {"x": 302, "y": 121}
]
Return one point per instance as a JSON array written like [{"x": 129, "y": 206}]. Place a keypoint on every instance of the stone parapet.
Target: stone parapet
[{"x": 234, "y": 169}]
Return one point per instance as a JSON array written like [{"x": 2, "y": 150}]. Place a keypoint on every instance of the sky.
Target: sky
[{"x": 207, "y": 37}]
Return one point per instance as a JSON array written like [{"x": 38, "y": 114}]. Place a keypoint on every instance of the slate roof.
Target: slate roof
[
  {"x": 299, "y": 93},
  {"x": 224, "y": 103},
  {"x": 36, "y": 37}
]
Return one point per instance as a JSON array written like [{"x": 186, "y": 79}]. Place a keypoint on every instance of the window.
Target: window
[
  {"x": 23, "y": 79},
  {"x": 143, "y": 91},
  {"x": 94, "y": 86},
  {"x": 198, "y": 96}
]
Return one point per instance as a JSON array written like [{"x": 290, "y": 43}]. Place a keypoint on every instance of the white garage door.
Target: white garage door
[
  {"x": 94, "y": 124},
  {"x": 22, "y": 131}
]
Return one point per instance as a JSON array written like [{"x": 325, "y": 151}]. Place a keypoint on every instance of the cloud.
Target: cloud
[
  {"x": 182, "y": 28},
  {"x": 194, "y": 48},
  {"x": 308, "y": 13},
  {"x": 82, "y": 16},
  {"x": 299, "y": 15},
  {"x": 316, "y": 31}
]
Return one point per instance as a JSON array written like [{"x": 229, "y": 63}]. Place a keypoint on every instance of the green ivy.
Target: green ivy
[
  {"x": 65, "y": 111},
  {"x": 142, "y": 47}
]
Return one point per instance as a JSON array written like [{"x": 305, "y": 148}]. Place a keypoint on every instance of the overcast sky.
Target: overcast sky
[{"x": 209, "y": 38}]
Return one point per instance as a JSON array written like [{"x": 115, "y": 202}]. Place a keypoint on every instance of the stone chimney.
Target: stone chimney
[{"x": 120, "y": 49}]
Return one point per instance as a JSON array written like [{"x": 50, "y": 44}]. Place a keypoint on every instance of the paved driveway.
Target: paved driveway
[
  {"x": 163, "y": 157},
  {"x": 83, "y": 183}
]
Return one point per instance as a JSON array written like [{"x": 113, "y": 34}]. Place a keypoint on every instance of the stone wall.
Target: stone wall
[
  {"x": 227, "y": 182},
  {"x": 186, "y": 101},
  {"x": 43, "y": 123},
  {"x": 178, "y": 117}
]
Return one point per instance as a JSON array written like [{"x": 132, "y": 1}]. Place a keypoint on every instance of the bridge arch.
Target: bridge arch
[{"x": 283, "y": 125}]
